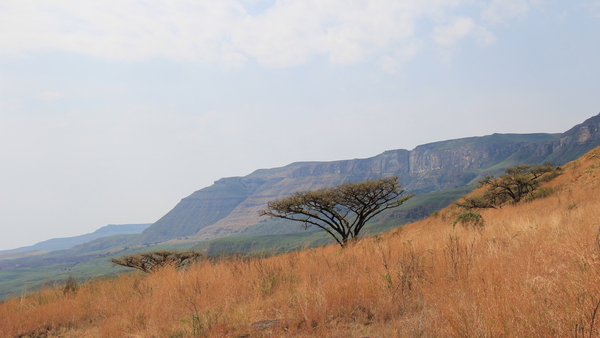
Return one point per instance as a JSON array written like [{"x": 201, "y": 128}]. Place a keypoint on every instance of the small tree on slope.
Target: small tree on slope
[
  {"x": 342, "y": 210},
  {"x": 511, "y": 187},
  {"x": 153, "y": 260}
]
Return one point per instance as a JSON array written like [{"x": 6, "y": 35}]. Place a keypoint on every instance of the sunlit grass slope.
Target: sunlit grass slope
[{"x": 532, "y": 271}]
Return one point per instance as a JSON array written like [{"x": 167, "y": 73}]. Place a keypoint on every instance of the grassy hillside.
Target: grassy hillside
[
  {"x": 27, "y": 271},
  {"x": 82, "y": 262},
  {"x": 532, "y": 271}
]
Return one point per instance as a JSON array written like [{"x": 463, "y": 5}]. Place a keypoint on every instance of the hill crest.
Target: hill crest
[
  {"x": 428, "y": 278},
  {"x": 231, "y": 205}
]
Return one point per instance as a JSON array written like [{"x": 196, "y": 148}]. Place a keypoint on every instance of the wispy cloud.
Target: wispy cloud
[
  {"x": 450, "y": 34},
  {"x": 283, "y": 33},
  {"x": 593, "y": 7},
  {"x": 460, "y": 28},
  {"x": 499, "y": 10},
  {"x": 50, "y": 95}
]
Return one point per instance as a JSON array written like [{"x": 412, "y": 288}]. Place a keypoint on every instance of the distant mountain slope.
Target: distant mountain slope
[
  {"x": 567, "y": 147},
  {"x": 202, "y": 208},
  {"x": 231, "y": 205},
  {"x": 68, "y": 242},
  {"x": 529, "y": 270}
]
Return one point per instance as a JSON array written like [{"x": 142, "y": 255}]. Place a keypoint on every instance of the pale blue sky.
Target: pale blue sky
[{"x": 112, "y": 111}]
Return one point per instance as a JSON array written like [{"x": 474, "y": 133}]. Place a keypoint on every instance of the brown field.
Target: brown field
[{"x": 532, "y": 271}]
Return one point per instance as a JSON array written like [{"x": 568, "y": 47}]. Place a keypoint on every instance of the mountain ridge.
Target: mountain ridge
[
  {"x": 231, "y": 204},
  {"x": 68, "y": 242},
  {"x": 229, "y": 207},
  {"x": 434, "y": 277}
]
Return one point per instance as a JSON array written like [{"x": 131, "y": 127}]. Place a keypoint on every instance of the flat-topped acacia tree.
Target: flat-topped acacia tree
[
  {"x": 513, "y": 186},
  {"x": 342, "y": 210},
  {"x": 154, "y": 260}
]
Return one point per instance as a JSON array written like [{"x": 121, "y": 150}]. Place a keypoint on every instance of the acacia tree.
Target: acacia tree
[
  {"x": 511, "y": 187},
  {"x": 343, "y": 210},
  {"x": 154, "y": 260}
]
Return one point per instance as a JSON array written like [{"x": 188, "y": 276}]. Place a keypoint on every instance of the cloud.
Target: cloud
[
  {"x": 10, "y": 105},
  {"x": 460, "y": 28},
  {"x": 392, "y": 62},
  {"x": 593, "y": 7},
  {"x": 500, "y": 10},
  {"x": 50, "y": 95},
  {"x": 124, "y": 30},
  {"x": 450, "y": 34},
  {"x": 280, "y": 33},
  {"x": 291, "y": 32}
]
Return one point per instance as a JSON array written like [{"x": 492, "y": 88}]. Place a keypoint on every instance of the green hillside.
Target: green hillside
[{"x": 439, "y": 173}]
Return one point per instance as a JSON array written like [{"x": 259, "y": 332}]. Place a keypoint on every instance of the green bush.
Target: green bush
[
  {"x": 515, "y": 185},
  {"x": 469, "y": 219},
  {"x": 71, "y": 285},
  {"x": 542, "y": 192}
]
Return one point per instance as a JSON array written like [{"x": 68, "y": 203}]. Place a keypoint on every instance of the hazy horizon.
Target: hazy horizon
[{"x": 111, "y": 112}]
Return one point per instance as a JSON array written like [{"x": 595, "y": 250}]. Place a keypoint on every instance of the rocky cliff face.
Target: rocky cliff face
[
  {"x": 392, "y": 161},
  {"x": 202, "y": 208},
  {"x": 232, "y": 204},
  {"x": 570, "y": 145},
  {"x": 474, "y": 155}
]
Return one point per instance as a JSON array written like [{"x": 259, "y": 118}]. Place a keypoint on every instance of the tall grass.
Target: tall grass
[{"x": 532, "y": 271}]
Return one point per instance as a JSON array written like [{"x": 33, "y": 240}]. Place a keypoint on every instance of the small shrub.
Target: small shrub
[
  {"x": 542, "y": 192},
  {"x": 469, "y": 219},
  {"x": 71, "y": 285}
]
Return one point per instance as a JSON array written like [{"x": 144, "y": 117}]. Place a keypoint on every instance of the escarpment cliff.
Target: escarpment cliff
[
  {"x": 231, "y": 205},
  {"x": 202, "y": 208},
  {"x": 568, "y": 146}
]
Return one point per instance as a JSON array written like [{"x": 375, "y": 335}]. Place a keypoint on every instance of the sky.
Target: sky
[{"x": 112, "y": 111}]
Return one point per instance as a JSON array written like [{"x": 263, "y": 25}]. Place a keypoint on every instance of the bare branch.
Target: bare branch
[
  {"x": 343, "y": 210},
  {"x": 154, "y": 260},
  {"x": 515, "y": 184}
]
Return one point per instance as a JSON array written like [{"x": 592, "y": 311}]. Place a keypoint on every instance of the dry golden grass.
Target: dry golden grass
[{"x": 532, "y": 271}]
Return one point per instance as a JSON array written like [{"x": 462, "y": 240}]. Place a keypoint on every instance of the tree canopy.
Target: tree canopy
[
  {"x": 154, "y": 260},
  {"x": 343, "y": 210},
  {"x": 511, "y": 187}
]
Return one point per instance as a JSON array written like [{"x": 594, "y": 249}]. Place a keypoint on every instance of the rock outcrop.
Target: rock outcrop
[{"x": 232, "y": 204}]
